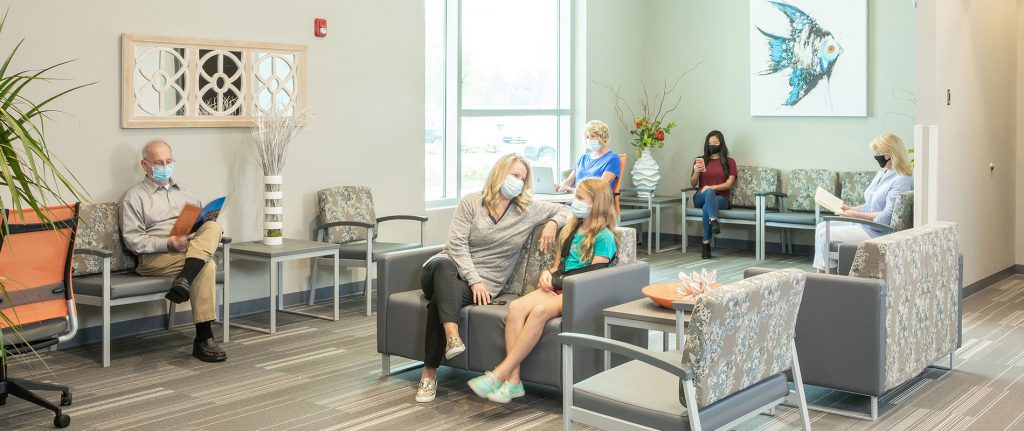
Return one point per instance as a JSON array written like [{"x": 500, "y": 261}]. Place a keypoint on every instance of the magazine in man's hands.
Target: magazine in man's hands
[
  {"x": 828, "y": 200},
  {"x": 192, "y": 217}
]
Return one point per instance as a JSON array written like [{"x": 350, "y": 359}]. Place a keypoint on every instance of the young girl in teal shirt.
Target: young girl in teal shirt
[{"x": 592, "y": 244}]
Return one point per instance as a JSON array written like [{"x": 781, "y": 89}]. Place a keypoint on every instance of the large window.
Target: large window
[{"x": 513, "y": 96}]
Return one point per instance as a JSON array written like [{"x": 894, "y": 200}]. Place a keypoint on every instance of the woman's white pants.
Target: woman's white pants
[{"x": 841, "y": 232}]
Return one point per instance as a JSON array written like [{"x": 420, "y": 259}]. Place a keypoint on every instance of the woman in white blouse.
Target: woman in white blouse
[{"x": 879, "y": 199}]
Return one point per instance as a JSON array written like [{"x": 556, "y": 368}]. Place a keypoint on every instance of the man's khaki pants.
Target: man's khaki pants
[{"x": 202, "y": 246}]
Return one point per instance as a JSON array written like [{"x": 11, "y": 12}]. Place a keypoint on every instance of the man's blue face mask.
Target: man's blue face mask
[{"x": 161, "y": 173}]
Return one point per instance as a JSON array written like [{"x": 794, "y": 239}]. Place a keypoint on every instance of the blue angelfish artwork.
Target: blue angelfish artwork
[{"x": 809, "y": 52}]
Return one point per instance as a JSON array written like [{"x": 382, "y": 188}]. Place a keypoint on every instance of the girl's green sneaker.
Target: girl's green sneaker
[
  {"x": 507, "y": 392},
  {"x": 484, "y": 385}
]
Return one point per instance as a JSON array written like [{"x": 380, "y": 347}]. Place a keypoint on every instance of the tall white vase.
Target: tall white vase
[
  {"x": 646, "y": 173},
  {"x": 273, "y": 212}
]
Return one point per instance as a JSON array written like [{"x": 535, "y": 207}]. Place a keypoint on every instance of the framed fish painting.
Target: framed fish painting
[{"x": 809, "y": 58}]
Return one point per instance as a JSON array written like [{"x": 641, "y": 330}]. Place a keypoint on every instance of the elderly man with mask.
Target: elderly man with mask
[{"x": 148, "y": 212}]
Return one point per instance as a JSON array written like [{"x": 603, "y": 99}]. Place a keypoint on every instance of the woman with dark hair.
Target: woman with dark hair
[{"x": 713, "y": 175}]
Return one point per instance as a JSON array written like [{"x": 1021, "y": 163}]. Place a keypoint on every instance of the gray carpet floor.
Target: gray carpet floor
[{"x": 320, "y": 375}]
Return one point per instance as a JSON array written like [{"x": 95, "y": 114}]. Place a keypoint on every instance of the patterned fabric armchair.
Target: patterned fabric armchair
[
  {"x": 739, "y": 345},
  {"x": 402, "y": 310},
  {"x": 104, "y": 270},
  {"x": 532, "y": 260},
  {"x": 750, "y": 181},
  {"x": 852, "y": 185},
  {"x": 347, "y": 218},
  {"x": 902, "y": 219},
  {"x": 897, "y": 313},
  {"x": 799, "y": 210}
]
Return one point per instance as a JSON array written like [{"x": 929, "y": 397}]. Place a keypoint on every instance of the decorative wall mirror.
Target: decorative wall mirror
[{"x": 186, "y": 82}]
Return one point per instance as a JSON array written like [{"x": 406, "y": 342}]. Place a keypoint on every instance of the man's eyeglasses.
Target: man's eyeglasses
[{"x": 160, "y": 163}]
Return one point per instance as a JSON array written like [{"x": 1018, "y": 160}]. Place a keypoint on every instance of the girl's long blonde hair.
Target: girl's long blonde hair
[
  {"x": 602, "y": 215},
  {"x": 891, "y": 145},
  {"x": 492, "y": 188}
]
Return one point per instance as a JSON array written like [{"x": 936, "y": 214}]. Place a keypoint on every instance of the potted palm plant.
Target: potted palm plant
[{"x": 31, "y": 174}]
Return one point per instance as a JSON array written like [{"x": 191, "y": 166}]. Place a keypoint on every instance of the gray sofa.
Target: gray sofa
[
  {"x": 898, "y": 312},
  {"x": 402, "y": 312}
]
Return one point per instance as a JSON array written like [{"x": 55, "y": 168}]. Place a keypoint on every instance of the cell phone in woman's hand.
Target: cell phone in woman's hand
[{"x": 698, "y": 164}]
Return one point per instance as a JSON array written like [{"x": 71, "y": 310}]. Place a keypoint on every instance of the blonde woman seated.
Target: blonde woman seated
[
  {"x": 488, "y": 230},
  {"x": 879, "y": 199},
  {"x": 598, "y": 162},
  {"x": 588, "y": 242}
]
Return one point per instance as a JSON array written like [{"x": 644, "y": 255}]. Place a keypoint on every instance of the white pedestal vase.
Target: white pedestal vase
[
  {"x": 646, "y": 173},
  {"x": 273, "y": 212}
]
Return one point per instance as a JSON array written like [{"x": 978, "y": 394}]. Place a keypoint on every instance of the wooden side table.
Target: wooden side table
[{"x": 275, "y": 255}]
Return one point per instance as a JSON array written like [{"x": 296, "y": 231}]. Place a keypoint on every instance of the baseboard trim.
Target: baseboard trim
[
  {"x": 737, "y": 244},
  {"x": 94, "y": 334},
  {"x": 993, "y": 279}
]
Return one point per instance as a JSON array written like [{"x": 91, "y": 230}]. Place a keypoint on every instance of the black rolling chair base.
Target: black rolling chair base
[{"x": 23, "y": 390}]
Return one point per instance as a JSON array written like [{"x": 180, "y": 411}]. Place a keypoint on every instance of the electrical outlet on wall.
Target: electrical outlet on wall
[{"x": 949, "y": 97}]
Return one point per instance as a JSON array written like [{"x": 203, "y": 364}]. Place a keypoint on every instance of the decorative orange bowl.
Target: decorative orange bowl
[{"x": 665, "y": 293}]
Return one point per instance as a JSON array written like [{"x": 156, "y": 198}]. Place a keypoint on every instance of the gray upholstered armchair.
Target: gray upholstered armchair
[
  {"x": 797, "y": 209},
  {"x": 347, "y": 218},
  {"x": 732, "y": 366}
]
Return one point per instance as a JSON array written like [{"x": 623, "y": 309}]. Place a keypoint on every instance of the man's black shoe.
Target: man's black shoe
[
  {"x": 705, "y": 251},
  {"x": 179, "y": 291},
  {"x": 208, "y": 351},
  {"x": 715, "y": 228}
]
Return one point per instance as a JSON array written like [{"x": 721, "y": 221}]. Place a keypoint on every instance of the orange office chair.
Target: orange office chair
[
  {"x": 35, "y": 263},
  {"x": 618, "y": 181},
  {"x": 633, "y": 216}
]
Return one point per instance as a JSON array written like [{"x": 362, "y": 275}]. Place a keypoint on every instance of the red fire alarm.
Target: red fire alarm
[{"x": 319, "y": 27}]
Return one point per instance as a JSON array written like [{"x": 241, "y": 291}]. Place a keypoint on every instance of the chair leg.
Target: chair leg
[
  {"x": 650, "y": 227},
  {"x": 682, "y": 221},
  {"x": 312, "y": 280},
  {"x": 38, "y": 386},
  {"x": 690, "y": 393},
  {"x": 19, "y": 392},
  {"x": 798, "y": 381},
  {"x": 106, "y": 336},
  {"x": 170, "y": 314},
  {"x": 368, "y": 289},
  {"x": 567, "y": 374}
]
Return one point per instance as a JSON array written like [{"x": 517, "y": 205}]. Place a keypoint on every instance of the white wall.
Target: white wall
[
  {"x": 365, "y": 88},
  {"x": 1019, "y": 225},
  {"x": 617, "y": 47},
  {"x": 975, "y": 57}
]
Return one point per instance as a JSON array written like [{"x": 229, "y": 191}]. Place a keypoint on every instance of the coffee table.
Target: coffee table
[
  {"x": 275, "y": 255},
  {"x": 645, "y": 314}
]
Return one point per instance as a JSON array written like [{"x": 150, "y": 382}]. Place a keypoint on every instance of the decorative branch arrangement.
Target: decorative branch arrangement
[
  {"x": 649, "y": 127},
  {"x": 272, "y": 131}
]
